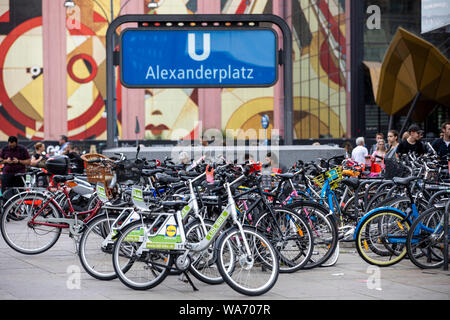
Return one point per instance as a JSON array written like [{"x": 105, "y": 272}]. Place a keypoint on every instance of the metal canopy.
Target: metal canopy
[{"x": 222, "y": 20}]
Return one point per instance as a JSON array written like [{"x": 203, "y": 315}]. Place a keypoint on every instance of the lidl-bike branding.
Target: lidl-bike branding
[
  {"x": 217, "y": 225},
  {"x": 198, "y": 58}
]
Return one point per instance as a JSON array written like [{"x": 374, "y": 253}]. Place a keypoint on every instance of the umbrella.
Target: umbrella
[{"x": 413, "y": 72}]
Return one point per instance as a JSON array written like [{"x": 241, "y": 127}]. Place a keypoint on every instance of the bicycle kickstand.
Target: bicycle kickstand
[{"x": 190, "y": 281}]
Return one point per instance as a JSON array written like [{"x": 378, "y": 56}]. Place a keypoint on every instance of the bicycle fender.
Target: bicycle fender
[
  {"x": 372, "y": 212},
  {"x": 221, "y": 235}
]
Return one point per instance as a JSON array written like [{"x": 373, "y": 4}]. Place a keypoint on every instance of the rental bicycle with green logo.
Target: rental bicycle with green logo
[
  {"x": 97, "y": 241},
  {"x": 146, "y": 250}
]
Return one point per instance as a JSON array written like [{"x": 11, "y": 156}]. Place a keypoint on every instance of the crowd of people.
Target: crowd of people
[
  {"x": 15, "y": 159},
  {"x": 411, "y": 141}
]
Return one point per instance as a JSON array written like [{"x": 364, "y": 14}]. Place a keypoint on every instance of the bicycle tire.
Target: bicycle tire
[
  {"x": 324, "y": 229},
  {"x": 203, "y": 264},
  {"x": 95, "y": 258},
  {"x": 19, "y": 234},
  {"x": 295, "y": 245},
  {"x": 425, "y": 246},
  {"x": 265, "y": 268},
  {"x": 374, "y": 236},
  {"x": 139, "y": 272}
]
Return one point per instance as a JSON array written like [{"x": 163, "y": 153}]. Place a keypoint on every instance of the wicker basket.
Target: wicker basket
[{"x": 97, "y": 172}]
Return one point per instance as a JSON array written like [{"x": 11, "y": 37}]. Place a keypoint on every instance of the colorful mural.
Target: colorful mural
[
  {"x": 86, "y": 65},
  {"x": 21, "y": 73}
]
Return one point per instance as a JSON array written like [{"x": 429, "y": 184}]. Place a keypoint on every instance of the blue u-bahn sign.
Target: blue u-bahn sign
[{"x": 198, "y": 58}]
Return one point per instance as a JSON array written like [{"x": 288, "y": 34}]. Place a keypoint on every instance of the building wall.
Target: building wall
[{"x": 320, "y": 69}]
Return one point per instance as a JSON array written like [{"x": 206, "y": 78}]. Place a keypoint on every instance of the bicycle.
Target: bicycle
[
  {"x": 33, "y": 223},
  {"x": 425, "y": 242},
  {"x": 150, "y": 254},
  {"x": 381, "y": 234}
]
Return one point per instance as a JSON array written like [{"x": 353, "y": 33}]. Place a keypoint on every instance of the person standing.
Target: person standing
[
  {"x": 380, "y": 153},
  {"x": 63, "y": 143},
  {"x": 38, "y": 158},
  {"x": 15, "y": 158},
  {"x": 77, "y": 164},
  {"x": 359, "y": 153},
  {"x": 412, "y": 143},
  {"x": 442, "y": 145},
  {"x": 379, "y": 136},
  {"x": 392, "y": 138}
]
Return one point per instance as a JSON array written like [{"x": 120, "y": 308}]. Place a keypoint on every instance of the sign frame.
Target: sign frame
[
  {"x": 285, "y": 56},
  {"x": 205, "y": 29}
]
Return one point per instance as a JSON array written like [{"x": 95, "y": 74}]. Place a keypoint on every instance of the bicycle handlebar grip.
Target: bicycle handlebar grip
[{"x": 94, "y": 161}]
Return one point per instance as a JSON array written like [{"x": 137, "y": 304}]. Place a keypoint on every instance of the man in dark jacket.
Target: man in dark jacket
[
  {"x": 15, "y": 158},
  {"x": 412, "y": 143},
  {"x": 442, "y": 145}
]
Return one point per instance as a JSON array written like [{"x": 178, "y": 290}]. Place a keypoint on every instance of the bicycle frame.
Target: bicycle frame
[
  {"x": 150, "y": 239},
  {"x": 66, "y": 221},
  {"x": 410, "y": 216}
]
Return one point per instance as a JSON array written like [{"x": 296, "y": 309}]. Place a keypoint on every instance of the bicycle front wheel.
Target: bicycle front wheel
[
  {"x": 203, "y": 265},
  {"x": 139, "y": 268},
  {"x": 291, "y": 236},
  {"x": 324, "y": 231},
  {"x": 253, "y": 274},
  {"x": 20, "y": 233},
  {"x": 94, "y": 251},
  {"x": 425, "y": 243},
  {"x": 381, "y": 238}
]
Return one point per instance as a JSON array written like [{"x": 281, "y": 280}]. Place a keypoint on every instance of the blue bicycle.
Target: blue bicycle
[
  {"x": 382, "y": 233},
  {"x": 425, "y": 243}
]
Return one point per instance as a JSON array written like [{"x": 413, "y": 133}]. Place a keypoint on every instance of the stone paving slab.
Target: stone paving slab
[{"x": 47, "y": 276}]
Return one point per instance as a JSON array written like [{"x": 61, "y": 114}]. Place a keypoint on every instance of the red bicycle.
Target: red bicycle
[{"x": 32, "y": 223}]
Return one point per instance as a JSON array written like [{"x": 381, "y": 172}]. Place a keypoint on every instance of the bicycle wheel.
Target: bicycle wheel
[
  {"x": 95, "y": 253},
  {"x": 425, "y": 243},
  {"x": 324, "y": 230},
  {"x": 203, "y": 264},
  {"x": 20, "y": 233},
  {"x": 381, "y": 238},
  {"x": 291, "y": 236},
  {"x": 251, "y": 275},
  {"x": 139, "y": 270}
]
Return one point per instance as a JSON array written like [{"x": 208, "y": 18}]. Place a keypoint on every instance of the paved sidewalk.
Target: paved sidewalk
[{"x": 50, "y": 276}]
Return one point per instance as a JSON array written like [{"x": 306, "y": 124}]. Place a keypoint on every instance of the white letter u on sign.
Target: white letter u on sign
[{"x": 206, "y": 47}]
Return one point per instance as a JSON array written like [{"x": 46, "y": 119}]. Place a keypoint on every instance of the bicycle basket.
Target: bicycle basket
[
  {"x": 334, "y": 176},
  {"x": 97, "y": 172},
  {"x": 393, "y": 168},
  {"x": 128, "y": 170}
]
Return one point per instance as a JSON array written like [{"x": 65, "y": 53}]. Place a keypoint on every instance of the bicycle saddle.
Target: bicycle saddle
[
  {"x": 351, "y": 182},
  {"x": 404, "y": 181},
  {"x": 285, "y": 175},
  {"x": 151, "y": 172},
  {"x": 59, "y": 179},
  {"x": 162, "y": 178},
  {"x": 174, "y": 204}
]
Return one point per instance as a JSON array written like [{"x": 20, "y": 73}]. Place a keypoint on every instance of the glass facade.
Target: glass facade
[
  {"x": 394, "y": 14},
  {"x": 320, "y": 65}
]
